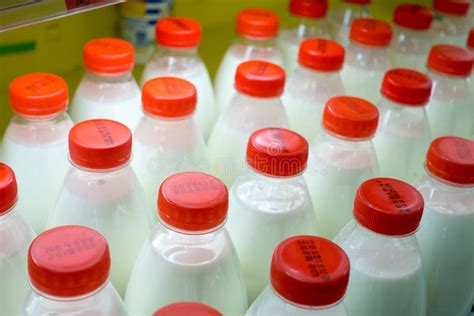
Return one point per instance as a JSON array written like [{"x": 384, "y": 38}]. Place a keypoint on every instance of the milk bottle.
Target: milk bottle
[
  {"x": 309, "y": 277},
  {"x": 403, "y": 134},
  {"x": 312, "y": 84},
  {"x": 386, "y": 272},
  {"x": 446, "y": 235},
  {"x": 189, "y": 251},
  {"x": 257, "y": 105},
  {"x": 307, "y": 20},
  {"x": 69, "y": 274},
  {"x": 35, "y": 143},
  {"x": 15, "y": 238},
  {"x": 341, "y": 158},
  {"x": 257, "y": 30},
  {"x": 177, "y": 56},
  {"x": 270, "y": 202},
  {"x": 451, "y": 23},
  {"x": 167, "y": 140},
  {"x": 470, "y": 47},
  {"x": 101, "y": 191},
  {"x": 411, "y": 36},
  {"x": 341, "y": 17},
  {"x": 187, "y": 308},
  {"x": 108, "y": 89},
  {"x": 450, "y": 108},
  {"x": 367, "y": 58}
]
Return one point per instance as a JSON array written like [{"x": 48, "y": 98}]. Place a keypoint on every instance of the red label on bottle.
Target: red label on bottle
[{"x": 74, "y": 4}]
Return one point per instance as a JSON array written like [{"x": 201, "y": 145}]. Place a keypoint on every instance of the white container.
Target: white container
[
  {"x": 341, "y": 17},
  {"x": 309, "y": 277},
  {"x": 35, "y": 143},
  {"x": 403, "y": 134},
  {"x": 167, "y": 140},
  {"x": 451, "y": 23},
  {"x": 108, "y": 89},
  {"x": 314, "y": 82},
  {"x": 367, "y": 57},
  {"x": 177, "y": 56},
  {"x": 256, "y": 106},
  {"x": 187, "y": 308},
  {"x": 189, "y": 251},
  {"x": 270, "y": 202},
  {"x": 257, "y": 30},
  {"x": 446, "y": 235},
  {"x": 386, "y": 271},
  {"x": 341, "y": 158},
  {"x": 69, "y": 274},
  {"x": 101, "y": 191}
]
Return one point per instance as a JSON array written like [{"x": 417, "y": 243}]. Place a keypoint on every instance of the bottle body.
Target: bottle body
[
  {"x": 450, "y": 29},
  {"x": 409, "y": 48},
  {"x": 341, "y": 19}
]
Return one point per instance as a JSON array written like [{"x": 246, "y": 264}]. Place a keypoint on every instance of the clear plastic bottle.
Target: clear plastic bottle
[
  {"x": 451, "y": 23},
  {"x": 187, "y": 308},
  {"x": 386, "y": 270},
  {"x": 189, "y": 251},
  {"x": 15, "y": 238},
  {"x": 167, "y": 140},
  {"x": 314, "y": 82},
  {"x": 101, "y": 191},
  {"x": 367, "y": 58},
  {"x": 35, "y": 143},
  {"x": 309, "y": 277},
  {"x": 341, "y": 17},
  {"x": 270, "y": 202},
  {"x": 108, "y": 89},
  {"x": 403, "y": 134},
  {"x": 257, "y": 105},
  {"x": 177, "y": 56},
  {"x": 69, "y": 275},
  {"x": 341, "y": 158},
  {"x": 257, "y": 30},
  {"x": 446, "y": 233}
]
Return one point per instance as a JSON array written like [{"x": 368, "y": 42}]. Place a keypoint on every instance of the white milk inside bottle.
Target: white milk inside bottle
[
  {"x": 269, "y": 203},
  {"x": 187, "y": 308},
  {"x": 257, "y": 30},
  {"x": 35, "y": 143},
  {"x": 309, "y": 277},
  {"x": 341, "y": 158},
  {"x": 446, "y": 235},
  {"x": 108, "y": 89},
  {"x": 257, "y": 105},
  {"x": 341, "y": 17},
  {"x": 177, "y": 56},
  {"x": 101, "y": 191},
  {"x": 367, "y": 57},
  {"x": 189, "y": 256},
  {"x": 386, "y": 275},
  {"x": 69, "y": 274},
  {"x": 451, "y": 23},
  {"x": 314, "y": 82},
  {"x": 403, "y": 134}
]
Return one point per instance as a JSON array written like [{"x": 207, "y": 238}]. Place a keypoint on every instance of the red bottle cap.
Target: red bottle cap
[
  {"x": 321, "y": 55},
  {"x": 388, "y": 206},
  {"x": 260, "y": 79},
  {"x": 451, "y": 60},
  {"x": 452, "y": 159},
  {"x": 178, "y": 32},
  {"x": 455, "y": 7},
  {"x": 470, "y": 39},
  {"x": 8, "y": 189},
  {"x": 413, "y": 16},
  {"x": 257, "y": 23},
  {"x": 357, "y": 1},
  {"x": 405, "y": 86},
  {"x": 100, "y": 144},
  {"x": 187, "y": 308},
  {"x": 39, "y": 94},
  {"x": 371, "y": 32},
  {"x": 309, "y": 8},
  {"x": 109, "y": 56},
  {"x": 193, "y": 201},
  {"x": 310, "y": 270},
  {"x": 169, "y": 97},
  {"x": 68, "y": 261}
]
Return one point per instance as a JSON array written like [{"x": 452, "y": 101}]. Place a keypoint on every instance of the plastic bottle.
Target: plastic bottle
[
  {"x": 257, "y": 105},
  {"x": 367, "y": 58},
  {"x": 386, "y": 271},
  {"x": 403, "y": 134},
  {"x": 270, "y": 202},
  {"x": 189, "y": 251},
  {"x": 446, "y": 233},
  {"x": 69, "y": 274},
  {"x": 470, "y": 47},
  {"x": 314, "y": 82},
  {"x": 451, "y": 23},
  {"x": 257, "y": 30},
  {"x": 15, "y": 238},
  {"x": 309, "y": 277},
  {"x": 177, "y": 56},
  {"x": 167, "y": 140},
  {"x": 101, "y": 191},
  {"x": 341, "y": 17},
  {"x": 341, "y": 158},
  {"x": 35, "y": 143},
  {"x": 187, "y": 308},
  {"x": 108, "y": 89}
]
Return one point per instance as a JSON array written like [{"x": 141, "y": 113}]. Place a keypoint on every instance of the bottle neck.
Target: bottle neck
[
  {"x": 99, "y": 171},
  {"x": 76, "y": 299},
  {"x": 393, "y": 105},
  {"x": 370, "y": 234},
  {"x": 445, "y": 184},
  {"x": 306, "y": 307},
  {"x": 272, "y": 179},
  {"x": 194, "y": 236},
  {"x": 255, "y": 41},
  {"x": 174, "y": 51},
  {"x": 110, "y": 78},
  {"x": 44, "y": 119},
  {"x": 342, "y": 140}
]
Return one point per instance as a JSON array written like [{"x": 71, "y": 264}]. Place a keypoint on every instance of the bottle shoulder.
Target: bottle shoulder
[
  {"x": 15, "y": 236},
  {"x": 103, "y": 90}
]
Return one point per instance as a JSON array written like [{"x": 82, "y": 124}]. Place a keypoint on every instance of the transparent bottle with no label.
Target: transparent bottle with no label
[
  {"x": 341, "y": 17},
  {"x": 451, "y": 23},
  {"x": 187, "y": 308}
]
